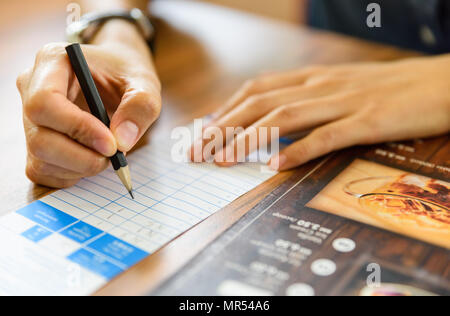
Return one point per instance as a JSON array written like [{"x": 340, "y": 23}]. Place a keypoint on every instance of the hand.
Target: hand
[
  {"x": 65, "y": 142},
  {"x": 344, "y": 105}
]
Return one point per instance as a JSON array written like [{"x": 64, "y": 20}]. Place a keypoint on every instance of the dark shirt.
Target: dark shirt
[{"x": 422, "y": 25}]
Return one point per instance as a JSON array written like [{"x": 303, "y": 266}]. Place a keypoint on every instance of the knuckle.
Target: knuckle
[
  {"x": 35, "y": 172},
  {"x": 96, "y": 166},
  {"x": 19, "y": 82},
  {"x": 51, "y": 51},
  {"x": 322, "y": 80},
  {"x": 313, "y": 70},
  {"x": 22, "y": 79},
  {"x": 30, "y": 172},
  {"x": 372, "y": 128},
  {"x": 149, "y": 102},
  {"x": 35, "y": 142},
  {"x": 78, "y": 130},
  {"x": 249, "y": 88},
  {"x": 284, "y": 112},
  {"x": 251, "y": 85},
  {"x": 39, "y": 167},
  {"x": 36, "y": 105},
  {"x": 253, "y": 102},
  {"x": 302, "y": 149},
  {"x": 326, "y": 138}
]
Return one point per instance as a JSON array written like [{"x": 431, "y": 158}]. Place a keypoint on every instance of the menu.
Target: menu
[{"x": 369, "y": 221}]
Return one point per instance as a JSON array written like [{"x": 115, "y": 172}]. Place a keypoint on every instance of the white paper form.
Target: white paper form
[{"x": 75, "y": 240}]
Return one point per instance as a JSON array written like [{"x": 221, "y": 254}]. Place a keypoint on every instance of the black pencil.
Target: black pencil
[{"x": 81, "y": 69}]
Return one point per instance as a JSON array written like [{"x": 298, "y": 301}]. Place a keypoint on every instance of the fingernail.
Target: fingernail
[
  {"x": 126, "y": 135},
  {"x": 104, "y": 147},
  {"x": 276, "y": 163}
]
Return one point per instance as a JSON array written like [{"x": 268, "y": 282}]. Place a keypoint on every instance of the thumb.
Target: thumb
[{"x": 139, "y": 108}]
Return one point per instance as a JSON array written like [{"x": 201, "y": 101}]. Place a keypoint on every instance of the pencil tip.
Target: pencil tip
[{"x": 131, "y": 194}]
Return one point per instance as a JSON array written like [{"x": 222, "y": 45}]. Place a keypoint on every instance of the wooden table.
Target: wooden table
[{"x": 204, "y": 54}]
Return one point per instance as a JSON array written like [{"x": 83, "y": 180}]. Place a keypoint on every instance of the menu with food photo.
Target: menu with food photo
[
  {"x": 389, "y": 198},
  {"x": 370, "y": 221}
]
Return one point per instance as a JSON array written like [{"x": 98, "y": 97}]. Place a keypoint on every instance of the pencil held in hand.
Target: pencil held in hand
[{"x": 92, "y": 96}]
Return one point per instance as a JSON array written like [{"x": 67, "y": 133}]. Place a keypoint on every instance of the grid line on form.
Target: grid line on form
[
  {"x": 116, "y": 202},
  {"x": 170, "y": 197},
  {"x": 98, "y": 227}
]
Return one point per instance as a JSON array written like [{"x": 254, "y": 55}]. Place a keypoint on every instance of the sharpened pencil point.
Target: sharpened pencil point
[{"x": 124, "y": 176}]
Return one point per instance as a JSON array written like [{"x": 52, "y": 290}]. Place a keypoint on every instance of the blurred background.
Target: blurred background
[
  {"x": 27, "y": 25},
  {"x": 216, "y": 44},
  {"x": 286, "y": 10}
]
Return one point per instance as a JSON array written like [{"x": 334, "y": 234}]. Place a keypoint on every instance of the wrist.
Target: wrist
[{"x": 121, "y": 33}]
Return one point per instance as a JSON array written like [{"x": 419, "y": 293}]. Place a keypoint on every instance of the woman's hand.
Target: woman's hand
[
  {"x": 344, "y": 105},
  {"x": 65, "y": 142}
]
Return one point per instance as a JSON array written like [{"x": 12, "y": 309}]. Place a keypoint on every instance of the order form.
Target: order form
[{"x": 75, "y": 240}]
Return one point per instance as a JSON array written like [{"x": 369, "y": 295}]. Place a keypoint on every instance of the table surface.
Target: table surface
[{"x": 204, "y": 54}]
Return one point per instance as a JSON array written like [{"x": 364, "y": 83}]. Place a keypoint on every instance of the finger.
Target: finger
[
  {"x": 257, "y": 107},
  {"x": 334, "y": 136},
  {"x": 59, "y": 150},
  {"x": 52, "y": 70},
  {"x": 54, "y": 111},
  {"x": 139, "y": 108},
  {"x": 41, "y": 168},
  {"x": 46, "y": 103},
  {"x": 265, "y": 84},
  {"x": 49, "y": 181},
  {"x": 23, "y": 80},
  {"x": 287, "y": 119}
]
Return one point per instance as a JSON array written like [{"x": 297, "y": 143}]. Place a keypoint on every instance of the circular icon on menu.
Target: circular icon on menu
[
  {"x": 300, "y": 289},
  {"x": 344, "y": 245},
  {"x": 323, "y": 267}
]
